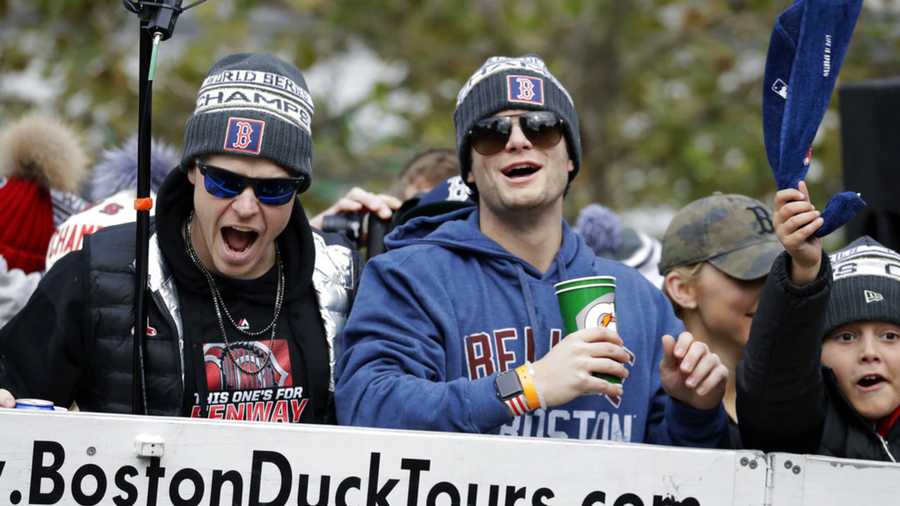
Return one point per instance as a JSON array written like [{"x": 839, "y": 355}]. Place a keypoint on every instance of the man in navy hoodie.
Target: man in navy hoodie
[{"x": 458, "y": 328}]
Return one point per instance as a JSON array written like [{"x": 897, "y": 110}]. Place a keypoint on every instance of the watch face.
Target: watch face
[{"x": 508, "y": 385}]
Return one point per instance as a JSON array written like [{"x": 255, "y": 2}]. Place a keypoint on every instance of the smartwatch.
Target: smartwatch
[{"x": 510, "y": 391}]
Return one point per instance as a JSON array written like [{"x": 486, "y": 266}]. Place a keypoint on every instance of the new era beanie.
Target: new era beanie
[
  {"x": 504, "y": 83},
  {"x": 866, "y": 285},
  {"x": 253, "y": 105}
]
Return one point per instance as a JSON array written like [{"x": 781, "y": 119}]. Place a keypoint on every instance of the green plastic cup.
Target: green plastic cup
[
  {"x": 590, "y": 280},
  {"x": 587, "y": 303}
]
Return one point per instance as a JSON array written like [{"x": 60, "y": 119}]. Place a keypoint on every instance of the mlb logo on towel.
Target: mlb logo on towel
[
  {"x": 525, "y": 89},
  {"x": 781, "y": 88},
  {"x": 244, "y": 135}
]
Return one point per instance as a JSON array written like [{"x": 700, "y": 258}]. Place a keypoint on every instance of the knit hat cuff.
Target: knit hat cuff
[
  {"x": 866, "y": 284},
  {"x": 863, "y": 298},
  {"x": 28, "y": 261},
  {"x": 291, "y": 148}
]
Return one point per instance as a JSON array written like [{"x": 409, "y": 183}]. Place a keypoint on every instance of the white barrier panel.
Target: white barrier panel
[
  {"x": 86, "y": 459},
  {"x": 808, "y": 480}
]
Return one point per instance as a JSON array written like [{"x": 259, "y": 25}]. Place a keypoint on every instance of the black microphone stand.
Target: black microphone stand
[{"x": 157, "y": 23}]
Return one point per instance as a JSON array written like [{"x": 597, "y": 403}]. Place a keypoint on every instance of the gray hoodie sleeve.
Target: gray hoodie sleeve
[{"x": 16, "y": 288}]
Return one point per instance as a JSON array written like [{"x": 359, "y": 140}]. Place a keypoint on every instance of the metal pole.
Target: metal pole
[{"x": 141, "y": 247}]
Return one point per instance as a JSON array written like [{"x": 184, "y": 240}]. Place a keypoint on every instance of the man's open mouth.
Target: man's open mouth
[
  {"x": 238, "y": 239},
  {"x": 520, "y": 170}
]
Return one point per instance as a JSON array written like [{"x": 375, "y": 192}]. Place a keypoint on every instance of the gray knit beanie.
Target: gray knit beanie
[
  {"x": 504, "y": 83},
  {"x": 866, "y": 285},
  {"x": 253, "y": 104}
]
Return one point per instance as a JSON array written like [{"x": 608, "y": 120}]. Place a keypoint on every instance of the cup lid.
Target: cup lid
[{"x": 585, "y": 279}]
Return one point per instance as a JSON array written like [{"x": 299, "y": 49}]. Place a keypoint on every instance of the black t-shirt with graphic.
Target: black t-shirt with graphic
[
  {"x": 280, "y": 378},
  {"x": 258, "y": 378}
]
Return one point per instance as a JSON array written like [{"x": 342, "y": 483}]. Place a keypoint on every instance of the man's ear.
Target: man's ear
[
  {"x": 192, "y": 174},
  {"x": 571, "y": 165},
  {"x": 681, "y": 289}
]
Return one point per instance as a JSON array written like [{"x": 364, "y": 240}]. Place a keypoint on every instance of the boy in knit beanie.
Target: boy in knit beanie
[
  {"x": 111, "y": 189},
  {"x": 244, "y": 295},
  {"x": 821, "y": 371}
]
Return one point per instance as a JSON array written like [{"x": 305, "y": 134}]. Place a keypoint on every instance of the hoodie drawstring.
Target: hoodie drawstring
[
  {"x": 561, "y": 268},
  {"x": 529, "y": 299}
]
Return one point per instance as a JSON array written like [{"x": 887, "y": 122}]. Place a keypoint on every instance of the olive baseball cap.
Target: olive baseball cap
[{"x": 735, "y": 233}]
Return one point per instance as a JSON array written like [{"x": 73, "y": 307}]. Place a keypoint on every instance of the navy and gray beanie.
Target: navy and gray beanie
[
  {"x": 504, "y": 83},
  {"x": 253, "y": 104},
  {"x": 866, "y": 285}
]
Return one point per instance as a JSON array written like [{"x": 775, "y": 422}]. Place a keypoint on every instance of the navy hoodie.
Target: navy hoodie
[{"x": 437, "y": 317}]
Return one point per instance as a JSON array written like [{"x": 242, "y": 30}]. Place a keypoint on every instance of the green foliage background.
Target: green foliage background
[{"x": 668, "y": 91}]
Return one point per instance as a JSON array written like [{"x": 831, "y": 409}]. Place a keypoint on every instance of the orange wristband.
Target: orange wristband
[
  {"x": 528, "y": 387},
  {"x": 144, "y": 204}
]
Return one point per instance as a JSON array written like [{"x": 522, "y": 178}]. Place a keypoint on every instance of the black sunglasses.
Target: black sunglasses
[
  {"x": 275, "y": 191},
  {"x": 543, "y": 129}
]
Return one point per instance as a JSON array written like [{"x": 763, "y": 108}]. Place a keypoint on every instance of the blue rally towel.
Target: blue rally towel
[{"x": 806, "y": 51}]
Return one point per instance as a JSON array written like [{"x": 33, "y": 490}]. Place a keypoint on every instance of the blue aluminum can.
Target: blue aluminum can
[{"x": 38, "y": 404}]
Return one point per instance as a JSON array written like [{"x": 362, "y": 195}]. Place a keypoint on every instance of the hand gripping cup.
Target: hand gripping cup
[{"x": 587, "y": 303}]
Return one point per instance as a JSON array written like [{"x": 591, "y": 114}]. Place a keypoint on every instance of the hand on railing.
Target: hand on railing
[{"x": 6, "y": 399}]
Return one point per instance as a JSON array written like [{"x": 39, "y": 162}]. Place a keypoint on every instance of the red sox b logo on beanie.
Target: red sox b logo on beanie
[
  {"x": 525, "y": 89},
  {"x": 244, "y": 135}
]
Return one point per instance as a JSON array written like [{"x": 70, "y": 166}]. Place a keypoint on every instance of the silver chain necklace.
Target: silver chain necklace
[{"x": 219, "y": 302}]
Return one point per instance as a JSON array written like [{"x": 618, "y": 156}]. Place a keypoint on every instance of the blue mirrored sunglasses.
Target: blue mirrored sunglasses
[{"x": 225, "y": 184}]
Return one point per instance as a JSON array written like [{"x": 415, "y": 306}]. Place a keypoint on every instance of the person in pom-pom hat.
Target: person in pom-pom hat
[
  {"x": 111, "y": 189},
  {"x": 245, "y": 297},
  {"x": 606, "y": 234},
  {"x": 457, "y": 327},
  {"x": 821, "y": 371},
  {"x": 42, "y": 165}
]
